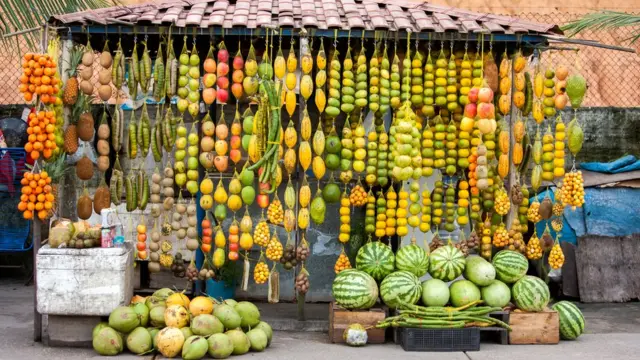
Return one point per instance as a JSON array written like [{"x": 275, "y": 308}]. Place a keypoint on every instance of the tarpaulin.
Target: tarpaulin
[{"x": 623, "y": 164}]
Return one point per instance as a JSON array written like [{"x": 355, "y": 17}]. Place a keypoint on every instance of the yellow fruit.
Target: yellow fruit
[
  {"x": 519, "y": 82},
  {"x": 519, "y": 63},
  {"x": 538, "y": 111},
  {"x": 290, "y": 102},
  {"x": 321, "y": 78},
  {"x": 518, "y": 99},
  {"x": 292, "y": 61},
  {"x": 519, "y": 130},
  {"x": 306, "y": 63},
  {"x": 305, "y": 126},
  {"x": 279, "y": 66},
  {"x": 504, "y": 104},
  {"x": 290, "y": 160},
  {"x": 306, "y": 86},
  {"x": 538, "y": 85},
  {"x": 303, "y": 218},
  {"x": 505, "y": 85},
  {"x": 503, "y": 165},
  {"x": 246, "y": 241},
  {"x": 503, "y": 141},
  {"x": 517, "y": 153},
  {"x": 290, "y": 135},
  {"x": 321, "y": 100},
  {"x": 291, "y": 81},
  {"x": 318, "y": 166},
  {"x": 304, "y": 154}
]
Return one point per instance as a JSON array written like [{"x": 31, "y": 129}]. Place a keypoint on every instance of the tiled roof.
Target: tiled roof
[{"x": 392, "y": 15}]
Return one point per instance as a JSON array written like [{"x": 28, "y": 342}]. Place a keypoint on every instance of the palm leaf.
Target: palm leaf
[
  {"x": 19, "y": 15},
  {"x": 604, "y": 20}
]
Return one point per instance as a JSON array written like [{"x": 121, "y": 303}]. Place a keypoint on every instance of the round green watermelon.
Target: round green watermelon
[
  {"x": 497, "y": 294},
  {"x": 435, "y": 293},
  {"x": 400, "y": 287},
  {"x": 571, "y": 320},
  {"x": 376, "y": 259},
  {"x": 510, "y": 266},
  {"x": 414, "y": 259},
  {"x": 446, "y": 263},
  {"x": 354, "y": 289},
  {"x": 531, "y": 294},
  {"x": 479, "y": 271},
  {"x": 463, "y": 292}
]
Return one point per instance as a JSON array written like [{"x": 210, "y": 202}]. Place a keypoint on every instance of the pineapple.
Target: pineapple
[
  {"x": 71, "y": 132},
  {"x": 86, "y": 125},
  {"x": 71, "y": 87}
]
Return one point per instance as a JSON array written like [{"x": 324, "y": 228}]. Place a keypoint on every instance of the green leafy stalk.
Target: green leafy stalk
[{"x": 604, "y": 20}]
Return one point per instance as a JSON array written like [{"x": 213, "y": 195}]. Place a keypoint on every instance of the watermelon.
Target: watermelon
[
  {"x": 446, "y": 263},
  {"x": 354, "y": 289},
  {"x": 463, "y": 292},
  {"x": 510, "y": 266},
  {"x": 435, "y": 293},
  {"x": 400, "y": 287},
  {"x": 530, "y": 294},
  {"x": 376, "y": 259},
  {"x": 571, "y": 320},
  {"x": 479, "y": 271},
  {"x": 414, "y": 259},
  {"x": 497, "y": 294}
]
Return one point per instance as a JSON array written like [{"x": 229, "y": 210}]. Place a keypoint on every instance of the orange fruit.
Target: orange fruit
[
  {"x": 31, "y": 206},
  {"x": 32, "y": 198},
  {"x": 48, "y": 205},
  {"x": 47, "y": 153},
  {"x": 49, "y": 197},
  {"x": 28, "y": 147},
  {"x": 22, "y": 206},
  {"x": 42, "y": 214},
  {"x": 27, "y": 215},
  {"x": 24, "y": 197}
]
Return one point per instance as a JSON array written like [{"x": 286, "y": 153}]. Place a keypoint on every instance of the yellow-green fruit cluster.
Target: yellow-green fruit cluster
[
  {"x": 394, "y": 93},
  {"x": 436, "y": 206},
  {"x": 463, "y": 203},
  {"x": 549, "y": 93},
  {"x": 374, "y": 82},
  {"x": 476, "y": 74},
  {"x": 464, "y": 145},
  {"x": 450, "y": 212},
  {"x": 360, "y": 151},
  {"x": 401, "y": 213},
  {"x": 345, "y": 219},
  {"x": 427, "y": 151},
  {"x": 370, "y": 214},
  {"x": 440, "y": 135},
  {"x": 348, "y": 85},
  {"x": 547, "y": 155},
  {"x": 406, "y": 78},
  {"x": 558, "y": 154},
  {"x": 381, "y": 216},
  {"x": 441, "y": 81},
  {"x": 346, "y": 153},
  {"x": 465, "y": 79},
  {"x": 522, "y": 210},
  {"x": 333, "y": 103},
  {"x": 452, "y": 89},
  {"x": 476, "y": 208},
  {"x": 385, "y": 83},
  {"x": 414, "y": 205},
  {"x": 372, "y": 158},
  {"x": 392, "y": 205},
  {"x": 428, "y": 99},
  {"x": 425, "y": 217},
  {"x": 383, "y": 154},
  {"x": 416, "y": 80},
  {"x": 452, "y": 152},
  {"x": 361, "y": 80}
]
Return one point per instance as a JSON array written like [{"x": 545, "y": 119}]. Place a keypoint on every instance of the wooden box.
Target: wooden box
[
  {"x": 534, "y": 328},
  {"x": 340, "y": 319}
]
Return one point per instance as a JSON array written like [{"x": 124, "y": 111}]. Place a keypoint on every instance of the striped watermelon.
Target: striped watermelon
[
  {"x": 446, "y": 263},
  {"x": 510, "y": 266},
  {"x": 376, "y": 259},
  {"x": 400, "y": 287},
  {"x": 354, "y": 289},
  {"x": 414, "y": 259},
  {"x": 530, "y": 293},
  {"x": 571, "y": 320}
]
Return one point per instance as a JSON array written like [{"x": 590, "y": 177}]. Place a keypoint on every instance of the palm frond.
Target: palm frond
[
  {"x": 19, "y": 15},
  {"x": 604, "y": 20}
]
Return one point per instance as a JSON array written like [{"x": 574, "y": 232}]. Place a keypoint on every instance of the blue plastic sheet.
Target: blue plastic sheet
[{"x": 623, "y": 164}]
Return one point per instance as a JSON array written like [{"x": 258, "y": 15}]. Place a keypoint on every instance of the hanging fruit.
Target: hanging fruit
[
  {"x": 572, "y": 190},
  {"x": 345, "y": 218},
  {"x": 370, "y": 214},
  {"x": 342, "y": 263},
  {"x": 381, "y": 215},
  {"x": 238, "y": 75},
  {"x": 222, "y": 73},
  {"x": 559, "y": 145}
]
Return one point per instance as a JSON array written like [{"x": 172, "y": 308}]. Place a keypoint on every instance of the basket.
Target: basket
[{"x": 444, "y": 340}]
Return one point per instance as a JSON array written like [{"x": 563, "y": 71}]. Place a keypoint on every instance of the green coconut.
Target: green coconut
[
  {"x": 228, "y": 316},
  {"x": 108, "y": 342},
  {"x": 124, "y": 319},
  {"x": 220, "y": 346}
]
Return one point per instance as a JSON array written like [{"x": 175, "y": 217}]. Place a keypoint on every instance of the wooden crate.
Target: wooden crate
[
  {"x": 340, "y": 319},
  {"x": 534, "y": 328}
]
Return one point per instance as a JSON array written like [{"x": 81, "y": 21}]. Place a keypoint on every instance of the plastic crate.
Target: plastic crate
[
  {"x": 442, "y": 340},
  {"x": 13, "y": 163},
  {"x": 14, "y": 229}
]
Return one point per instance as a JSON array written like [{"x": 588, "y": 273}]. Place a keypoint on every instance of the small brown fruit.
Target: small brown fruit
[
  {"x": 102, "y": 198},
  {"x": 103, "y": 163},
  {"x": 86, "y": 73},
  {"x": 104, "y": 77},
  {"x": 85, "y": 206},
  {"x": 86, "y": 87},
  {"x": 84, "y": 168},
  {"x": 104, "y": 91},
  {"x": 546, "y": 208},
  {"x": 105, "y": 59}
]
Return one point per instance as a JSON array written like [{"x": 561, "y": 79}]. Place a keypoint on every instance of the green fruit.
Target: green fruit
[
  {"x": 220, "y": 212},
  {"x": 248, "y": 195},
  {"x": 331, "y": 193},
  {"x": 354, "y": 289}
]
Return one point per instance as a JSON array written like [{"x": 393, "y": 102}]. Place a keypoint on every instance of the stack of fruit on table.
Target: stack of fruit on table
[
  {"x": 446, "y": 301},
  {"x": 171, "y": 324}
]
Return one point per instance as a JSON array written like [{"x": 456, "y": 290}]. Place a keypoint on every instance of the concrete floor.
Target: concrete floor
[{"x": 613, "y": 331}]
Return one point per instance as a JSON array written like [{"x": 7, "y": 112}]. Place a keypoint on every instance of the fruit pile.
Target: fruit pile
[
  {"x": 39, "y": 77},
  {"x": 42, "y": 134},
  {"x": 37, "y": 195}
]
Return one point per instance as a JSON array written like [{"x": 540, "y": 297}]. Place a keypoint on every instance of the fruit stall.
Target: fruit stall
[{"x": 264, "y": 153}]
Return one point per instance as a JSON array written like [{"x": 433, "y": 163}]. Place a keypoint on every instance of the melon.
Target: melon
[
  {"x": 446, "y": 263},
  {"x": 479, "y": 271},
  {"x": 530, "y": 293},
  {"x": 435, "y": 292},
  {"x": 571, "y": 320},
  {"x": 463, "y": 292},
  {"x": 510, "y": 266},
  {"x": 354, "y": 289},
  {"x": 414, "y": 259},
  {"x": 376, "y": 259},
  {"x": 497, "y": 294},
  {"x": 399, "y": 288}
]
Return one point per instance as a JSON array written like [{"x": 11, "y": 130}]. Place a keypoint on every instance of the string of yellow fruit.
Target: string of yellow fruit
[{"x": 345, "y": 218}]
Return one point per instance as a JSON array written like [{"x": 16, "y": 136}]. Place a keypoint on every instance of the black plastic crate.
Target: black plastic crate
[
  {"x": 467, "y": 339},
  {"x": 496, "y": 334}
]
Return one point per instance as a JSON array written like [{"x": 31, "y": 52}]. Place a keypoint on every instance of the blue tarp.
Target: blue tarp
[{"x": 623, "y": 164}]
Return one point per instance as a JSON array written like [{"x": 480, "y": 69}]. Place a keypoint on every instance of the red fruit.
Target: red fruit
[
  {"x": 206, "y": 231},
  {"x": 223, "y": 56},
  {"x": 237, "y": 90},
  {"x": 221, "y": 163},
  {"x": 238, "y": 63},
  {"x": 206, "y": 239},
  {"x": 470, "y": 110},
  {"x": 222, "y": 95},
  {"x": 209, "y": 96},
  {"x": 210, "y": 65},
  {"x": 486, "y": 111},
  {"x": 235, "y": 155},
  {"x": 233, "y": 246},
  {"x": 263, "y": 201},
  {"x": 473, "y": 94},
  {"x": 223, "y": 82},
  {"x": 223, "y": 69},
  {"x": 264, "y": 187},
  {"x": 485, "y": 95},
  {"x": 233, "y": 256}
]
